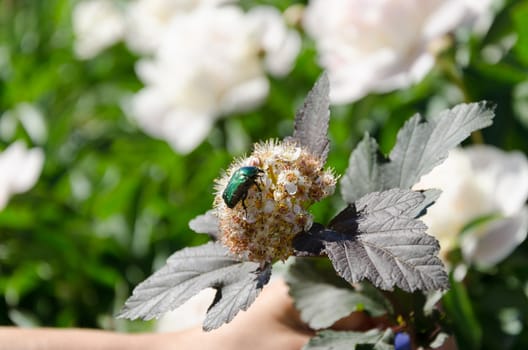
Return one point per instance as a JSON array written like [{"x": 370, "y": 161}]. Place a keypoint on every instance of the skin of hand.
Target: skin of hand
[{"x": 271, "y": 322}]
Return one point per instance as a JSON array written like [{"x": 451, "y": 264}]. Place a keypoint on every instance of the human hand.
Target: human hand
[{"x": 271, "y": 322}]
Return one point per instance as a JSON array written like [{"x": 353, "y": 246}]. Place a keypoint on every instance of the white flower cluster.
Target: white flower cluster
[
  {"x": 206, "y": 59},
  {"x": 381, "y": 45},
  {"x": 19, "y": 170},
  {"x": 275, "y": 211},
  {"x": 479, "y": 183}
]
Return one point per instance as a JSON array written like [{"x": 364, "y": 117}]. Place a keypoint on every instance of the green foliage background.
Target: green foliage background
[{"x": 113, "y": 203}]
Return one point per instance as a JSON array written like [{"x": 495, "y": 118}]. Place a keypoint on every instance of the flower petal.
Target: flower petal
[
  {"x": 20, "y": 169},
  {"x": 489, "y": 245},
  {"x": 504, "y": 175}
]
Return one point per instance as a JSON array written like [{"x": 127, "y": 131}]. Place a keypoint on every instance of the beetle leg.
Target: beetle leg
[{"x": 244, "y": 202}]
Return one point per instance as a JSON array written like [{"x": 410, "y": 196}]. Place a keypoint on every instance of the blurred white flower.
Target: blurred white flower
[
  {"x": 97, "y": 24},
  {"x": 211, "y": 62},
  {"x": 31, "y": 119},
  {"x": 148, "y": 20},
  {"x": 478, "y": 182},
  {"x": 19, "y": 170},
  {"x": 381, "y": 45}
]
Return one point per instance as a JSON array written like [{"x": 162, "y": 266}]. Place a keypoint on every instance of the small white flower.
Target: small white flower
[
  {"x": 288, "y": 181},
  {"x": 19, "y": 170},
  {"x": 289, "y": 155},
  {"x": 380, "y": 45},
  {"x": 97, "y": 24},
  {"x": 269, "y": 206},
  {"x": 212, "y": 62},
  {"x": 477, "y": 182},
  {"x": 291, "y": 188}
]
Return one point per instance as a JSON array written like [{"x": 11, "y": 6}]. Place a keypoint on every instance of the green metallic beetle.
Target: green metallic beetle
[{"x": 238, "y": 186}]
